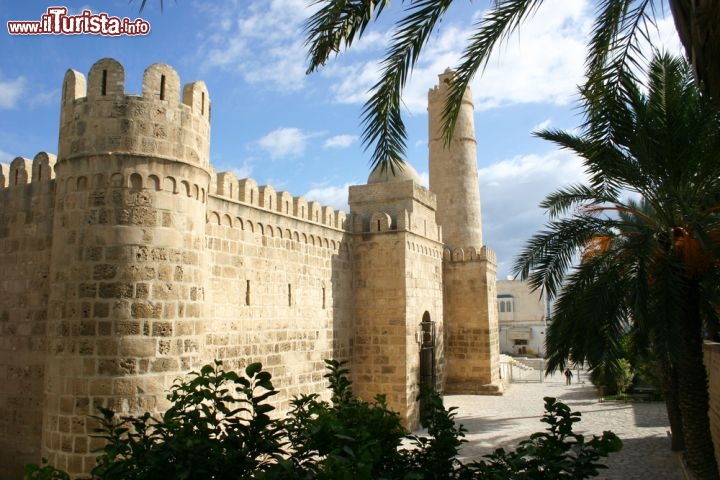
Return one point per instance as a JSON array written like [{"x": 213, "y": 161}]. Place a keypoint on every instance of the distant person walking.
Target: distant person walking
[{"x": 568, "y": 376}]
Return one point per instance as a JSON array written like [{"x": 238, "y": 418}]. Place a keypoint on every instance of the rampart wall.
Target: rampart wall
[
  {"x": 27, "y": 191},
  {"x": 471, "y": 325},
  {"x": 279, "y": 285}
]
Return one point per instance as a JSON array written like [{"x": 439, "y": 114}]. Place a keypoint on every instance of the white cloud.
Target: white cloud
[
  {"x": 243, "y": 171},
  {"x": 42, "y": 98},
  {"x": 11, "y": 91},
  {"x": 544, "y": 125},
  {"x": 351, "y": 83},
  {"x": 261, "y": 40},
  {"x": 332, "y": 195},
  {"x": 544, "y": 62},
  {"x": 511, "y": 191},
  {"x": 557, "y": 167},
  {"x": 425, "y": 179},
  {"x": 284, "y": 143},
  {"x": 340, "y": 141}
]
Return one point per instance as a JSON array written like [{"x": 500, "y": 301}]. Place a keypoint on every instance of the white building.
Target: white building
[{"x": 521, "y": 319}]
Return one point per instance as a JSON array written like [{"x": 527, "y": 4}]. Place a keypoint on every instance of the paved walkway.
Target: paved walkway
[{"x": 503, "y": 421}]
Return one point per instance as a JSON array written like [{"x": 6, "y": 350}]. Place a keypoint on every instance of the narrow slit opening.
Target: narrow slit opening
[
  {"x": 103, "y": 85},
  {"x": 162, "y": 87}
]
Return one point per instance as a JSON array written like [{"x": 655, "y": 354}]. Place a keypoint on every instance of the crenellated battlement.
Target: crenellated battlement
[
  {"x": 167, "y": 121},
  {"x": 470, "y": 254},
  {"x": 265, "y": 197},
  {"x": 438, "y": 93},
  {"x": 23, "y": 171}
]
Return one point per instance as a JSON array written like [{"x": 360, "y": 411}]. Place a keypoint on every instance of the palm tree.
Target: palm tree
[
  {"x": 608, "y": 290},
  {"x": 614, "y": 45},
  {"x": 651, "y": 265}
]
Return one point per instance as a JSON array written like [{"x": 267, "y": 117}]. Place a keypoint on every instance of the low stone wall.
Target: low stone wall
[{"x": 712, "y": 365}]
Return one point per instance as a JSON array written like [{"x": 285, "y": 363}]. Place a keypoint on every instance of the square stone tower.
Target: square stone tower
[{"x": 398, "y": 290}]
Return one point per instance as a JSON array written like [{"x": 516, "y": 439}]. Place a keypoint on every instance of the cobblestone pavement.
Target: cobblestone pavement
[{"x": 502, "y": 421}]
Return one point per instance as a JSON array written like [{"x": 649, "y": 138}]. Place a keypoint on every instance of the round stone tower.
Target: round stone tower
[
  {"x": 125, "y": 314},
  {"x": 453, "y": 170},
  {"x": 471, "y": 332}
]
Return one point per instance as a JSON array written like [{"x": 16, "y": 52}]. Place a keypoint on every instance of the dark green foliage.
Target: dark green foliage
[
  {"x": 434, "y": 456},
  {"x": 44, "y": 472},
  {"x": 346, "y": 438},
  {"x": 218, "y": 427}
]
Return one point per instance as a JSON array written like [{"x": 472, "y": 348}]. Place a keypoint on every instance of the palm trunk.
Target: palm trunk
[
  {"x": 693, "y": 395},
  {"x": 669, "y": 384},
  {"x": 696, "y": 24}
]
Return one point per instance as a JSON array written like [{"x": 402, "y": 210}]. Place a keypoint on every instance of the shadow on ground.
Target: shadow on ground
[{"x": 640, "y": 459}]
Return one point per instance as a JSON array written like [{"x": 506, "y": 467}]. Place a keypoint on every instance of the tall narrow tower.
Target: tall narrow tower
[
  {"x": 453, "y": 170},
  {"x": 469, "y": 268}
]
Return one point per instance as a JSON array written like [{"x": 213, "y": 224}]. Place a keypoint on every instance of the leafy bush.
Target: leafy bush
[
  {"x": 218, "y": 427},
  {"x": 614, "y": 377},
  {"x": 554, "y": 454},
  {"x": 347, "y": 438},
  {"x": 44, "y": 472}
]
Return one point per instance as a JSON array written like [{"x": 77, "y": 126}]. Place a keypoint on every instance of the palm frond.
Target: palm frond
[
  {"x": 590, "y": 316},
  {"x": 144, "y": 2},
  {"x": 493, "y": 29},
  {"x": 614, "y": 47},
  {"x": 582, "y": 145},
  {"x": 573, "y": 197},
  {"x": 550, "y": 254},
  {"x": 381, "y": 118},
  {"x": 336, "y": 24}
]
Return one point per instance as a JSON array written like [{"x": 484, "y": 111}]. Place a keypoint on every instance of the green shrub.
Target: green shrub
[
  {"x": 218, "y": 427},
  {"x": 43, "y": 472},
  {"x": 346, "y": 438},
  {"x": 553, "y": 454},
  {"x": 614, "y": 377}
]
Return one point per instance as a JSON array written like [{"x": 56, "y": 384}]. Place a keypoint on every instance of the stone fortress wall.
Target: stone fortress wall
[
  {"x": 27, "y": 196},
  {"x": 128, "y": 261}
]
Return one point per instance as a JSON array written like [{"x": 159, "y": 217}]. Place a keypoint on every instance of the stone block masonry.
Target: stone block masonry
[
  {"x": 128, "y": 262},
  {"x": 26, "y": 220}
]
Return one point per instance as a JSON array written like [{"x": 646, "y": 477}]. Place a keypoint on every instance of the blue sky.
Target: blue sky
[{"x": 301, "y": 133}]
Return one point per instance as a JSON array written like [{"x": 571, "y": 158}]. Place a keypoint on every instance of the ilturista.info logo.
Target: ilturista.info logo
[{"x": 56, "y": 21}]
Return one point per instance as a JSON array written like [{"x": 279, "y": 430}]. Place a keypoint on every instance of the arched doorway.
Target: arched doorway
[{"x": 427, "y": 355}]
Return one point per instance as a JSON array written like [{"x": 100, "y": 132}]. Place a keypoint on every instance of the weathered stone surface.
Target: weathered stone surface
[{"x": 129, "y": 263}]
